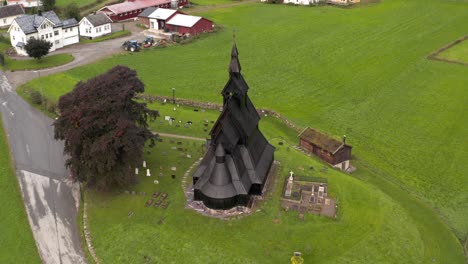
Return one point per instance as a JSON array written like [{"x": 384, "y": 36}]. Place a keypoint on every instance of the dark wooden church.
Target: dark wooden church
[{"x": 238, "y": 159}]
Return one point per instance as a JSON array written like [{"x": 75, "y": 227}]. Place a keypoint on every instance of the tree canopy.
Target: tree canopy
[
  {"x": 37, "y": 48},
  {"x": 48, "y": 5},
  {"x": 104, "y": 128}
]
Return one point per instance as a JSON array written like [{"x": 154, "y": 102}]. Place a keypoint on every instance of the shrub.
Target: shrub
[{"x": 36, "y": 97}]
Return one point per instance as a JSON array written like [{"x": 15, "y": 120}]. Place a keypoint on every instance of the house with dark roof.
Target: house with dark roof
[
  {"x": 95, "y": 25},
  {"x": 336, "y": 153},
  {"x": 44, "y": 25},
  {"x": 131, "y": 9},
  {"x": 186, "y": 24},
  {"x": 238, "y": 158},
  {"x": 156, "y": 18},
  {"x": 9, "y": 13}
]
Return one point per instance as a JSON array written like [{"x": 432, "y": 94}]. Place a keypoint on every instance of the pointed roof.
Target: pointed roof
[{"x": 234, "y": 66}]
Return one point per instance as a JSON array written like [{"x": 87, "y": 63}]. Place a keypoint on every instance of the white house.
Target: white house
[
  {"x": 25, "y": 3},
  {"x": 9, "y": 13},
  {"x": 97, "y": 25},
  {"x": 43, "y": 26},
  {"x": 301, "y": 2}
]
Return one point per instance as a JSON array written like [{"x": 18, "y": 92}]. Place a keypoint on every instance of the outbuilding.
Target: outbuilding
[
  {"x": 156, "y": 18},
  {"x": 133, "y": 8},
  {"x": 335, "y": 152},
  {"x": 95, "y": 25},
  {"x": 185, "y": 24},
  {"x": 9, "y": 13}
]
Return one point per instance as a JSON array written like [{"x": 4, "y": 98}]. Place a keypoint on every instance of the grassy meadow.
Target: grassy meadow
[
  {"x": 360, "y": 71},
  {"x": 458, "y": 52},
  {"x": 16, "y": 236},
  {"x": 367, "y": 216}
]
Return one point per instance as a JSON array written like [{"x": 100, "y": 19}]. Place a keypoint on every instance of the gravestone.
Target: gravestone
[
  {"x": 174, "y": 148},
  {"x": 177, "y": 125},
  {"x": 173, "y": 168},
  {"x": 179, "y": 143},
  {"x": 195, "y": 110}
]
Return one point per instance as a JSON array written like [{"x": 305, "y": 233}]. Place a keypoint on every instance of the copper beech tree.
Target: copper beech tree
[{"x": 104, "y": 128}]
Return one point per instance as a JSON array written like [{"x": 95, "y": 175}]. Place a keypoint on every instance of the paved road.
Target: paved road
[{"x": 50, "y": 198}]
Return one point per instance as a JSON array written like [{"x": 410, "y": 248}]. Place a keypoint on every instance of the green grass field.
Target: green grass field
[
  {"x": 458, "y": 52},
  {"x": 33, "y": 64},
  {"x": 367, "y": 218},
  {"x": 16, "y": 237},
  {"x": 362, "y": 72}
]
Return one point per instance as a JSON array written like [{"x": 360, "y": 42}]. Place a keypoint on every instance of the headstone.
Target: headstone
[
  {"x": 136, "y": 171},
  {"x": 173, "y": 168},
  {"x": 179, "y": 142},
  {"x": 148, "y": 174},
  {"x": 189, "y": 156},
  {"x": 161, "y": 174},
  {"x": 144, "y": 164},
  {"x": 171, "y": 141},
  {"x": 173, "y": 147},
  {"x": 177, "y": 125},
  {"x": 133, "y": 192},
  {"x": 186, "y": 125},
  {"x": 170, "y": 122},
  {"x": 203, "y": 110},
  {"x": 156, "y": 182},
  {"x": 167, "y": 118},
  {"x": 174, "y": 108}
]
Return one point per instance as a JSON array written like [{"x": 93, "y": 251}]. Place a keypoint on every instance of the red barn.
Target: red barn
[
  {"x": 132, "y": 8},
  {"x": 335, "y": 152},
  {"x": 185, "y": 24}
]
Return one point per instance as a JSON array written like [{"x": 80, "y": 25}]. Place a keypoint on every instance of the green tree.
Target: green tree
[
  {"x": 37, "y": 48},
  {"x": 104, "y": 128},
  {"x": 72, "y": 11},
  {"x": 48, "y": 5}
]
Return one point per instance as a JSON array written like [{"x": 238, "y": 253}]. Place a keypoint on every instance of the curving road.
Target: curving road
[{"x": 51, "y": 199}]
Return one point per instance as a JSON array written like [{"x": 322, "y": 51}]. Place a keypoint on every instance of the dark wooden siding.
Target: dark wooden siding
[{"x": 341, "y": 155}]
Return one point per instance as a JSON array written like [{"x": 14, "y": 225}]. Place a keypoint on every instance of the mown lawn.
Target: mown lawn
[
  {"x": 371, "y": 228},
  {"x": 63, "y": 3},
  {"x": 16, "y": 237},
  {"x": 362, "y": 72},
  {"x": 33, "y": 64},
  {"x": 213, "y": 2},
  {"x": 458, "y": 52}
]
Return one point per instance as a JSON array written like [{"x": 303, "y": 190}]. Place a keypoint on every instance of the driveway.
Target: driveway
[
  {"x": 51, "y": 199},
  {"x": 83, "y": 53}
]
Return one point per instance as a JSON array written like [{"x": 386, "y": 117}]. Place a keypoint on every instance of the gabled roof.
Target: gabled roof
[
  {"x": 98, "y": 19},
  {"x": 148, "y": 11},
  {"x": 69, "y": 23},
  {"x": 134, "y": 5},
  {"x": 183, "y": 20},
  {"x": 11, "y": 10},
  {"x": 29, "y": 23},
  {"x": 322, "y": 140},
  {"x": 162, "y": 13}
]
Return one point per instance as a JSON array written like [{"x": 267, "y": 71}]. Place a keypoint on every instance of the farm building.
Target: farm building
[
  {"x": 25, "y": 3},
  {"x": 185, "y": 24},
  {"x": 9, "y": 13},
  {"x": 335, "y": 152},
  {"x": 96, "y": 25},
  {"x": 301, "y": 2},
  {"x": 156, "y": 18},
  {"x": 45, "y": 26},
  {"x": 132, "y": 8},
  {"x": 238, "y": 159},
  {"x": 343, "y": 2}
]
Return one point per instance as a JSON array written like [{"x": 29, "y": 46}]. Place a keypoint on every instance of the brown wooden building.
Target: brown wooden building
[{"x": 335, "y": 152}]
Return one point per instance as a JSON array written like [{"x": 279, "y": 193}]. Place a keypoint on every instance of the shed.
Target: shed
[
  {"x": 95, "y": 25},
  {"x": 185, "y": 24},
  {"x": 335, "y": 152},
  {"x": 9, "y": 13},
  {"x": 156, "y": 18}
]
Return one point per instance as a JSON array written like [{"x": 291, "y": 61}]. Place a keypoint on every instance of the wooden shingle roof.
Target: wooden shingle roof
[{"x": 321, "y": 140}]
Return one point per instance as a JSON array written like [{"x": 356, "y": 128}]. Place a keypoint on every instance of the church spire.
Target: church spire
[{"x": 234, "y": 66}]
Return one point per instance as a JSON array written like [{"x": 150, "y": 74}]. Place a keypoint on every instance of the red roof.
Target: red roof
[{"x": 134, "y": 5}]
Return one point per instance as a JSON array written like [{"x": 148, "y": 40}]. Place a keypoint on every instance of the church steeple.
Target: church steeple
[{"x": 234, "y": 66}]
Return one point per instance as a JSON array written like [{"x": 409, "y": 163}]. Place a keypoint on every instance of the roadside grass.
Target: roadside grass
[
  {"x": 367, "y": 219},
  {"x": 63, "y": 3},
  {"x": 33, "y": 64},
  {"x": 362, "y": 72},
  {"x": 113, "y": 35},
  {"x": 458, "y": 53},
  {"x": 16, "y": 237}
]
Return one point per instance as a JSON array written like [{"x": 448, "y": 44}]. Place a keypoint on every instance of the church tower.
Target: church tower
[{"x": 237, "y": 162}]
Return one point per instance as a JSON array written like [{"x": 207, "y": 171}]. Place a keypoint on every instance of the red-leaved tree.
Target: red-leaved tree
[{"x": 104, "y": 128}]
